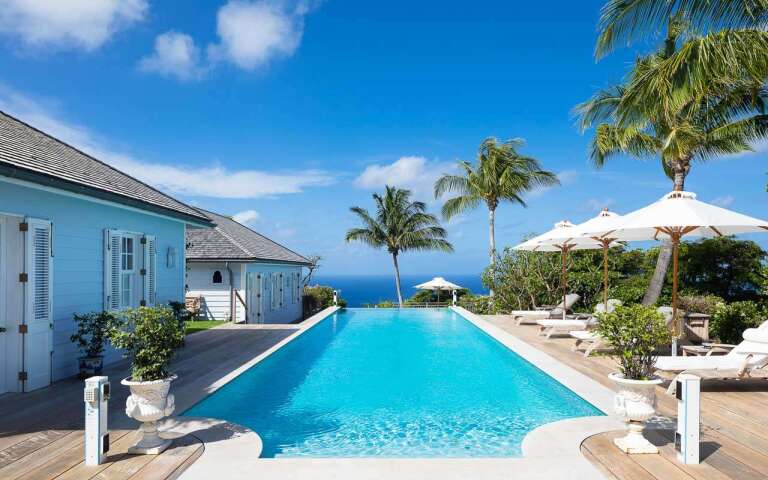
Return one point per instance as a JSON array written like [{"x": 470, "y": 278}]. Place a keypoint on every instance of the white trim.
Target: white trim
[{"x": 80, "y": 196}]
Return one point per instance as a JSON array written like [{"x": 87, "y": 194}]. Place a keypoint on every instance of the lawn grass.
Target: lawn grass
[{"x": 195, "y": 326}]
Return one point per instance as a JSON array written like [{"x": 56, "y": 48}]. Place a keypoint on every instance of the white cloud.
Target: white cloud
[
  {"x": 412, "y": 172},
  {"x": 724, "y": 201},
  {"x": 85, "y": 24},
  {"x": 252, "y": 33},
  {"x": 566, "y": 177},
  {"x": 208, "y": 181},
  {"x": 175, "y": 55},
  {"x": 247, "y": 217}
]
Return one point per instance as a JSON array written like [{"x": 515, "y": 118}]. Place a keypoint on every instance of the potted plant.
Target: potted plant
[
  {"x": 635, "y": 333},
  {"x": 91, "y": 333},
  {"x": 148, "y": 337}
]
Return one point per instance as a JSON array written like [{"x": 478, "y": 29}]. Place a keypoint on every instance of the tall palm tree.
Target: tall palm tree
[
  {"x": 501, "y": 174},
  {"x": 680, "y": 128},
  {"x": 399, "y": 225}
]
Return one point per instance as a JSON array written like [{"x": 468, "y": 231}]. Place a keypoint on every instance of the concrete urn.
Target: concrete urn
[
  {"x": 635, "y": 400},
  {"x": 148, "y": 403}
]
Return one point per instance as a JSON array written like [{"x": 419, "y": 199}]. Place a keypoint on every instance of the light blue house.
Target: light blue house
[
  {"x": 76, "y": 235},
  {"x": 241, "y": 275}
]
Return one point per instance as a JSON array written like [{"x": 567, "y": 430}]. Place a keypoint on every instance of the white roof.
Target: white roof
[
  {"x": 438, "y": 283},
  {"x": 679, "y": 210},
  {"x": 563, "y": 234}
]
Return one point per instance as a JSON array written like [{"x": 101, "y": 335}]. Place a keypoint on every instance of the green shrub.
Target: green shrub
[
  {"x": 729, "y": 321},
  {"x": 635, "y": 333},
  {"x": 91, "y": 332},
  {"x": 477, "y": 304},
  {"x": 317, "y": 298},
  {"x": 699, "y": 303},
  {"x": 430, "y": 296},
  {"x": 630, "y": 290},
  {"x": 148, "y": 337}
]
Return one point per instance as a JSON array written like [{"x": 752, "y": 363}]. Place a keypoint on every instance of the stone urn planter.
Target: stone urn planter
[
  {"x": 148, "y": 403},
  {"x": 90, "y": 366},
  {"x": 635, "y": 401}
]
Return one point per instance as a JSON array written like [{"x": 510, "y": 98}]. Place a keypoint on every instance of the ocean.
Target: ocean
[{"x": 358, "y": 290}]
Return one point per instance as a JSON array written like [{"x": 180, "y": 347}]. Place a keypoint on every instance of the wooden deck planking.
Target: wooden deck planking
[
  {"x": 40, "y": 432},
  {"x": 734, "y": 422}
]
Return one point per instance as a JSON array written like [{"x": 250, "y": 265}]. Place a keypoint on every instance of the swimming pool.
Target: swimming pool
[{"x": 393, "y": 383}]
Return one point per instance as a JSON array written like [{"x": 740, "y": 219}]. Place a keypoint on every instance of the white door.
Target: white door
[
  {"x": 254, "y": 282},
  {"x": 38, "y": 320},
  {"x": 12, "y": 264},
  {"x": 3, "y": 314}
]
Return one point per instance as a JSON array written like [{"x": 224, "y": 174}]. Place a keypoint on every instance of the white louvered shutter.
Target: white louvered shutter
[
  {"x": 38, "y": 341},
  {"x": 150, "y": 270},
  {"x": 112, "y": 278}
]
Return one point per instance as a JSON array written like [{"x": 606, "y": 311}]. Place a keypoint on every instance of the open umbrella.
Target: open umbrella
[
  {"x": 437, "y": 284},
  {"x": 561, "y": 239},
  {"x": 678, "y": 214},
  {"x": 604, "y": 221}
]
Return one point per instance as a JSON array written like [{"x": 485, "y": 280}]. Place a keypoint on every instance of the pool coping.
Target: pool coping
[{"x": 552, "y": 450}]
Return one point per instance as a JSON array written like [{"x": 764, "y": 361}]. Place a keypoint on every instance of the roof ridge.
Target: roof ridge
[
  {"x": 120, "y": 172},
  {"x": 235, "y": 242}
]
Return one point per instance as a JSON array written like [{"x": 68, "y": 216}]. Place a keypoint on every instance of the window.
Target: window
[
  {"x": 217, "y": 276},
  {"x": 129, "y": 270}
]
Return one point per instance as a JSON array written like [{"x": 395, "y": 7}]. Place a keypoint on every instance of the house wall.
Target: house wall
[
  {"x": 216, "y": 302},
  {"x": 289, "y": 311},
  {"x": 78, "y": 256}
]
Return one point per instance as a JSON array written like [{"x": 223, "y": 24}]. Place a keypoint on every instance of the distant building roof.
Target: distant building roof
[
  {"x": 29, "y": 154},
  {"x": 232, "y": 241}
]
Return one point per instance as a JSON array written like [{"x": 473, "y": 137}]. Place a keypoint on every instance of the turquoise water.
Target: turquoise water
[{"x": 393, "y": 383}]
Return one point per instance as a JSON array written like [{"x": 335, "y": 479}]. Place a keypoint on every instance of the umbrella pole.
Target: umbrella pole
[
  {"x": 605, "y": 275},
  {"x": 675, "y": 255},
  {"x": 565, "y": 278}
]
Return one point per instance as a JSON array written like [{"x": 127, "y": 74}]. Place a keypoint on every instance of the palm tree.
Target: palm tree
[
  {"x": 501, "y": 174},
  {"x": 399, "y": 225},
  {"x": 680, "y": 127}
]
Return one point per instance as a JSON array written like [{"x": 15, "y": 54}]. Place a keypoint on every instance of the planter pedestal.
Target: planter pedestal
[
  {"x": 148, "y": 403},
  {"x": 636, "y": 402}
]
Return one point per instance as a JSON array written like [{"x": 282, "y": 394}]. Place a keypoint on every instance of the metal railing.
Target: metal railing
[{"x": 409, "y": 305}]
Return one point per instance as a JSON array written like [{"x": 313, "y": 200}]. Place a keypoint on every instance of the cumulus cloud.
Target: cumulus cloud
[
  {"x": 175, "y": 55},
  {"x": 252, "y": 33},
  {"x": 84, "y": 24},
  {"x": 212, "y": 180},
  {"x": 247, "y": 217},
  {"x": 412, "y": 172},
  {"x": 725, "y": 201}
]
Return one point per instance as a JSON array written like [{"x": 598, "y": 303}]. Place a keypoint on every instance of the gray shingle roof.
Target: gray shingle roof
[
  {"x": 31, "y": 154},
  {"x": 229, "y": 240}
]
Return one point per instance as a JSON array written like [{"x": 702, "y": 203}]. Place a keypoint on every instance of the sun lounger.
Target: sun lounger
[
  {"x": 591, "y": 340},
  {"x": 750, "y": 355},
  {"x": 564, "y": 327},
  {"x": 532, "y": 316}
]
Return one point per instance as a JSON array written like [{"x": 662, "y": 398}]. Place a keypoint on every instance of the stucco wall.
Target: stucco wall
[{"x": 78, "y": 256}]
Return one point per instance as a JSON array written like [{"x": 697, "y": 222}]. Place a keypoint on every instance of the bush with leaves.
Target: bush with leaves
[
  {"x": 92, "y": 329},
  {"x": 730, "y": 320},
  {"x": 635, "y": 333},
  {"x": 317, "y": 298},
  {"x": 430, "y": 296},
  {"x": 148, "y": 337},
  {"x": 477, "y": 304},
  {"x": 694, "y": 303}
]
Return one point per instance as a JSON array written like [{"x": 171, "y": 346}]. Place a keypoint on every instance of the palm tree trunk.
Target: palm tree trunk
[
  {"x": 492, "y": 239},
  {"x": 397, "y": 280},
  {"x": 665, "y": 254}
]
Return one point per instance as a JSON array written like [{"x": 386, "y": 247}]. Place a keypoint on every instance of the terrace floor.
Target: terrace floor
[
  {"x": 733, "y": 414},
  {"x": 41, "y": 434}
]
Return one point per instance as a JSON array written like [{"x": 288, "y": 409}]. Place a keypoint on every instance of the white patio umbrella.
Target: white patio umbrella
[
  {"x": 561, "y": 239},
  {"x": 678, "y": 214},
  {"x": 438, "y": 284}
]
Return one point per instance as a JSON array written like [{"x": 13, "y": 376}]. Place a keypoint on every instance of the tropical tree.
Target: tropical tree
[
  {"x": 399, "y": 225},
  {"x": 501, "y": 174}
]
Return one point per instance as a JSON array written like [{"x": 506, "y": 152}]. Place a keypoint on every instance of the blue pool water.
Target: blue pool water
[{"x": 393, "y": 383}]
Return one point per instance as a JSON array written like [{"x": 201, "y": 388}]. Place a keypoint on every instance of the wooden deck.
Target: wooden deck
[
  {"x": 734, "y": 417},
  {"x": 41, "y": 434}
]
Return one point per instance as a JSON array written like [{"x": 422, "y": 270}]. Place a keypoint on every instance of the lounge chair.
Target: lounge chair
[
  {"x": 532, "y": 316},
  {"x": 564, "y": 327},
  {"x": 590, "y": 340}
]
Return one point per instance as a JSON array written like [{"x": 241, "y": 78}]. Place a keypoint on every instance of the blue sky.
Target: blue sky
[{"x": 288, "y": 113}]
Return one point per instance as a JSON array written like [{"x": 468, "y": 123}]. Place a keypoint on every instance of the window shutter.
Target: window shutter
[
  {"x": 111, "y": 270},
  {"x": 150, "y": 270},
  {"x": 39, "y": 268}
]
